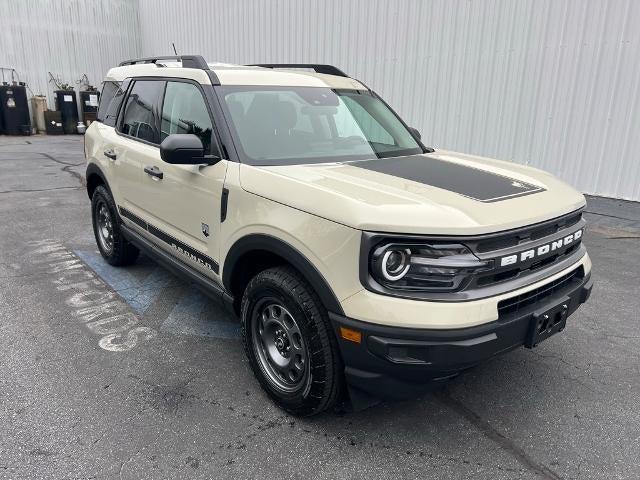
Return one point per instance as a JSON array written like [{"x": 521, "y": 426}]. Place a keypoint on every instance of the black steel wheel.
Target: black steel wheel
[
  {"x": 288, "y": 340},
  {"x": 278, "y": 345},
  {"x": 104, "y": 227}
]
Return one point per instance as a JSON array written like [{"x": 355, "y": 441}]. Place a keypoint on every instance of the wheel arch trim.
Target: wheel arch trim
[
  {"x": 93, "y": 169},
  {"x": 281, "y": 248}
]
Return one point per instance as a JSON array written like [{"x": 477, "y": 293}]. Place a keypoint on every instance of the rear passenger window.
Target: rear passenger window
[
  {"x": 140, "y": 117},
  {"x": 184, "y": 111},
  {"x": 110, "y": 100}
]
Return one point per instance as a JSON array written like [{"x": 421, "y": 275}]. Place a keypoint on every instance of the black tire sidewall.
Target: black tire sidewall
[
  {"x": 97, "y": 200},
  {"x": 308, "y": 314},
  {"x": 122, "y": 252}
]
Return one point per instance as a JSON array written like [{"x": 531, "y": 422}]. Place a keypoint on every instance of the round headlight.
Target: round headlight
[{"x": 395, "y": 264}]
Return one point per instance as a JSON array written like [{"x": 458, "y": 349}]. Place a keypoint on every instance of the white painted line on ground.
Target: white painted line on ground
[{"x": 99, "y": 309}]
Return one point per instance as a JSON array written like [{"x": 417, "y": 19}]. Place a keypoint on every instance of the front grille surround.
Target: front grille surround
[
  {"x": 497, "y": 279},
  {"x": 535, "y": 232}
]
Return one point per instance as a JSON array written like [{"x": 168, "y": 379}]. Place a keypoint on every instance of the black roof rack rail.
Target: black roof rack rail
[
  {"x": 188, "y": 61},
  {"x": 317, "y": 67}
]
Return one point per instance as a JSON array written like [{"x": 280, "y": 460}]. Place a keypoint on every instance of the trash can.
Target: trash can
[
  {"x": 14, "y": 110},
  {"x": 67, "y": 105},
  {"x": 89, "y": 100},
  {"x": 53, "y": 122}
]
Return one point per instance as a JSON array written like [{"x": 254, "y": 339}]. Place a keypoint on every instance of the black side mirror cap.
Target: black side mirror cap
[{"x": 185, "y": 149}]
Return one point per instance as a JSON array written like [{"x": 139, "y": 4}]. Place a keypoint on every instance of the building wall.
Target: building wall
[
  {"x": 68, "y": 38},
  {"x": 550, "y": 83}
]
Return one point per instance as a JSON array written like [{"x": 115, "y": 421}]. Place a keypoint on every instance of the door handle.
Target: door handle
[
  {"x": 110, "y": 154},
  {"x": 154, "y": 172}
]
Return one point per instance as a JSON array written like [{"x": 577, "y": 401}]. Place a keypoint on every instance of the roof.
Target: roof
[{"x": 230, "y": 74}]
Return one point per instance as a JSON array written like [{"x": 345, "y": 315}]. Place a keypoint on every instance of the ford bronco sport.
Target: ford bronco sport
[{"x": 359, "y": 260}]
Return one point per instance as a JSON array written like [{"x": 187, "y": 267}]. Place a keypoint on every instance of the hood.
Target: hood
[{"x": 441, "y": 193}]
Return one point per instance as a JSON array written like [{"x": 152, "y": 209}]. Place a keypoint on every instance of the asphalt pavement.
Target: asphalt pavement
[{"x": 131, "y": 373}]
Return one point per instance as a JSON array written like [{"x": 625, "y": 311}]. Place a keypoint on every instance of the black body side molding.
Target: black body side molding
[
  {"x": 211, "y": 288},
  {"x": 290, "y": 254},
  {"x": 186, "y": 250}
]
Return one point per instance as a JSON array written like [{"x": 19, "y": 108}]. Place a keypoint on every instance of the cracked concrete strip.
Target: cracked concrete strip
[
  {"x": 18, "y": 190},
  {"x": 487, "y": 429}
]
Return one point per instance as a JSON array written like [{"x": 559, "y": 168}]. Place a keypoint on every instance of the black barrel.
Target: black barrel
[
  {"x": 67, "y": 104},
  {"x": 14, "y": 110},
  {"x": 89, "y": 105}
]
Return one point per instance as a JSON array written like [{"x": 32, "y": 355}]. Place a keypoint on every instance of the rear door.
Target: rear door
[
  {"x": 102, "y": 133},
  {"x": 138, "y": 140}
]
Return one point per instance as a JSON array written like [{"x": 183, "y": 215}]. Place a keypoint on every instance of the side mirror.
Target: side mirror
[
  {"x": 185, "y": 149},
  {"x": 415, "y": 133}
]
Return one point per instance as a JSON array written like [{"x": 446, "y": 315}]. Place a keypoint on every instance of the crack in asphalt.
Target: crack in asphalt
[
  {"x": 505, "y": 443},
  {"x": 21, "y": 190},
  {"x": 67, "y": 169}
]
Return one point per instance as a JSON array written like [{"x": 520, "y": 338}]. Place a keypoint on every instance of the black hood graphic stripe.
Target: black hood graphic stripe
[{"x": 468, "y": 181}]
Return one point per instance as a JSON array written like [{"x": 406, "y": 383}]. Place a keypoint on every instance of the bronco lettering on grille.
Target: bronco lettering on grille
[{"x": 540, "y": 250}]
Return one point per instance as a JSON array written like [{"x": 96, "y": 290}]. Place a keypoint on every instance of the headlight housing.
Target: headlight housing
[{"x": 415, "y": 266}]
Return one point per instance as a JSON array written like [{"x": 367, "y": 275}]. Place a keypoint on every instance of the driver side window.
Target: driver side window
[{"x": 184, "y": 111}]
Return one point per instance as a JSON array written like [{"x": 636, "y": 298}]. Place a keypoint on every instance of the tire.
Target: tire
[
  {"x": 114, "y": 248},
  {"x": 289, "y": 342}
]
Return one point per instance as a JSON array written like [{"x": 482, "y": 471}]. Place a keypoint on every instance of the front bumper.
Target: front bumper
[{"x": 393, "y": 363}]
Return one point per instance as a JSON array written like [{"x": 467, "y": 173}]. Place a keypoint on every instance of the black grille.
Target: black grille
[
  {"x": 535, "y": 232},
  {"x": 559, "y": 285}
]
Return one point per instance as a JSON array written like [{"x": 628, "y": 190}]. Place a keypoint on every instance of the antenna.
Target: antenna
[{"x": 174, "y": 49}]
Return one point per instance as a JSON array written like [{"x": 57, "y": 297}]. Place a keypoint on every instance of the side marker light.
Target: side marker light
[{"x": 351, "y": 335}]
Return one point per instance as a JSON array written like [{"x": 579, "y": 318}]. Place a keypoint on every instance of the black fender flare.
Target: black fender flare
[
  {"x": 286, "y": 251},
  {"x": 93, "y": 169}
]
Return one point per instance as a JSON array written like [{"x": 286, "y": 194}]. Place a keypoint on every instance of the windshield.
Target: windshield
[{"x": 300, "y": 125}]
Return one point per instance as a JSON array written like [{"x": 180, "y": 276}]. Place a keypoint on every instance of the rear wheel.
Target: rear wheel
[
  {"x": 289, "y": 342},
  {"x": 115, "y": 249}
]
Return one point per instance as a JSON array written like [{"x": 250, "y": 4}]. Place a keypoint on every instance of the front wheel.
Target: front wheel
[{"x": 287, "y": 338}]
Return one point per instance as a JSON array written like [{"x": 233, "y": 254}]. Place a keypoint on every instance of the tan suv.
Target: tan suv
[{"x": 359, "y": 261}]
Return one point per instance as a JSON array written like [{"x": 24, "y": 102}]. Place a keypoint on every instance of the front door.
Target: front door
[{"x": 181, "y": 203}]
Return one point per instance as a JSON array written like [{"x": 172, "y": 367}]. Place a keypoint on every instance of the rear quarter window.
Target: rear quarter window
[{"x": 110, "y": 99}]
